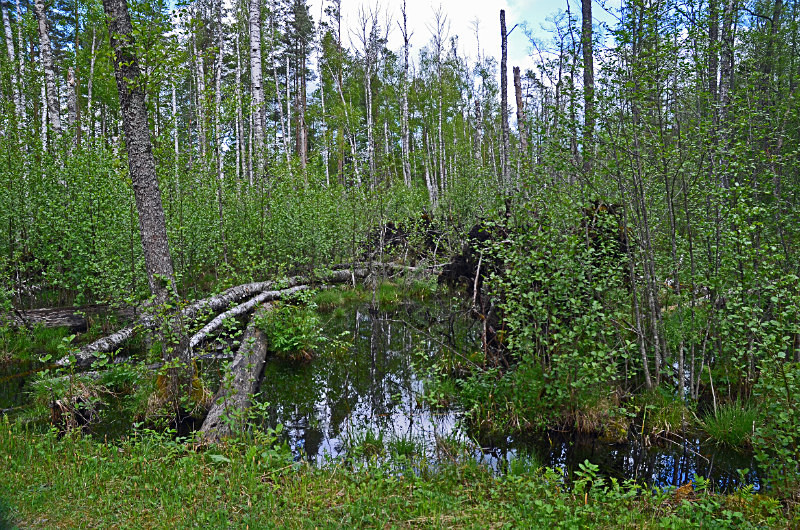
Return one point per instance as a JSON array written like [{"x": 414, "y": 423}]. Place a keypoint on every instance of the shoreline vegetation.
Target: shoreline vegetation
[
  {"x": 155, "y": 480},
  {"x": 252, "y": 479}
]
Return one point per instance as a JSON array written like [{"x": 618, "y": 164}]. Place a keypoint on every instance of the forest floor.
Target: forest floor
[{"x": 153, "y": 480}]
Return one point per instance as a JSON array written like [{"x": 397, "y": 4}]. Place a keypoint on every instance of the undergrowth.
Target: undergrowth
[{"x": 159, "y": 481}]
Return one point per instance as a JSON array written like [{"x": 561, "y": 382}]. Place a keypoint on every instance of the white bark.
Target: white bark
[
  {"x": 257, "y": 149},
  {"x": 175, "y": 134},
  {"x": 21, "y": 58},
  {"x": 239, "y": 310},
  {"x": 239, "y": 121},
  {"x": 72, "y": 98},
  {"x": 236, "y": 391},
  {"x": 15, "y": 90},
  {"x": 200, "y": 76},
  {"x": 284, "y": 131},
  {"x": 218, "y": 132},
  {"x": 211, "y": 305},
  {"x": 46, "y": 57},
  {"x": 89, "y": 109}
]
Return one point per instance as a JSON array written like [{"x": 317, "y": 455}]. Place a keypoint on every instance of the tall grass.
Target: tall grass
[{"x": 733, "y": 424}]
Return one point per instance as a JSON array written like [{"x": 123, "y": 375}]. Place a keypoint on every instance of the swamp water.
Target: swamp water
[
  {"x": 368, "y": 394},
  {"x": 364, "y": 394}
]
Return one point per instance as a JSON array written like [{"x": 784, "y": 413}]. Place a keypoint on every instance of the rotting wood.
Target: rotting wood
[
  {"x": 75, "y": 318},
  {"x": 239, "y": 310},
  {"x": 86, "y": 355},
  {"x": 240, "y": 384}
]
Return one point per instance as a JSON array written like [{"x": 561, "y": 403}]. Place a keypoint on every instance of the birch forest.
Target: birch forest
[{"x": 620, "y": 220}]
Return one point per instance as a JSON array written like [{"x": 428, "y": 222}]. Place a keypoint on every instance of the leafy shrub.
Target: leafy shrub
[
  {"x": 293, "y": 331},
  {"x": 777, "y": 440}
]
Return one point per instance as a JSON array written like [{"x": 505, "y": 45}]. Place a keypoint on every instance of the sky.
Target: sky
[{"x": 462, "y": 16}]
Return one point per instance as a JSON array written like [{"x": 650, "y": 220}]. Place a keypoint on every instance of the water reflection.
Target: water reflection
[
  {"x": 374, "y": 384},
  {"x": 371, "y": 385}
]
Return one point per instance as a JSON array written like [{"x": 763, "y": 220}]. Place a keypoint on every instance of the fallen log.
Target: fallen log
[
  {"x": 236, "y": 391},
  {"x": 75, "y": 318},
  {"x": 86, "y": 355},
  {"x": 239, "y": 310}
]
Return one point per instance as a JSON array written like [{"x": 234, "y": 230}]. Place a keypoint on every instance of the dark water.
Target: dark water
[
  {"x": 367, "y": 384},
  {"x": 13, "y": 376},
  {"x": 371, "y": 386}
]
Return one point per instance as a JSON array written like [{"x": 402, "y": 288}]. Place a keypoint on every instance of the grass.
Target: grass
[
  {"x": 154, "y": 481},
  {"x": 733, "y": 424},
  {"x": 30, "y": 344}
]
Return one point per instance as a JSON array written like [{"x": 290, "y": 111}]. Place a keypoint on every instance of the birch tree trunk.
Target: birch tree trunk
[
  {"x": 72, "y": 105},
  {"x": 152, "y": 225},
  {"x": 257, "y": 150},
  {"x": 218, "y": 131},
  {"x": 175, "y": 137},
  {"x": 15, "y": 89},
  {"x": 324, "y": 120},
  {"x": 239, "y": 120},
  {"x": 46, "y": 56},
  {"x": 200, "y": 76},
  {"x": 504, "y": 98},
  {"x": 21, "y": 58},
  {"x": 90, "y": 83},
  {"x": 288, "y": 109},
  {"x": 404, "y": 102},
  {"x": 523, "y": 137},
  {"x": 284, "y": 130}
]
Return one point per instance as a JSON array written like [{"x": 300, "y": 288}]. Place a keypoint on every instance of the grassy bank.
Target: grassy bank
[{"x": 150, "y": 480}]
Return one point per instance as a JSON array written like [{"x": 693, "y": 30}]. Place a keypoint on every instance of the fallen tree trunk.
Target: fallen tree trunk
[
  {"x": 236, "y": 391},
  {"x": 241, "y": 309},
  {"x": 75, "y": 318},
  {"x": 86, "y": 355}
]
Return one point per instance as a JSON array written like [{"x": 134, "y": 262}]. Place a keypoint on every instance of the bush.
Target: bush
[{"x": 293, "y": 331}]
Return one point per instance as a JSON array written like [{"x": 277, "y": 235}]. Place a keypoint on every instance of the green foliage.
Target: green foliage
[
  {"x": 31, "y": 344},
  {"x": 777, "y": 439},
  {"x": 293, "y": 331},
  {"x": 733, "y": 424}
]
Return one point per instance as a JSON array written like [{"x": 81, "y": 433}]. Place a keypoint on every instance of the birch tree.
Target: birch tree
[{"x": 46, "y": 58}]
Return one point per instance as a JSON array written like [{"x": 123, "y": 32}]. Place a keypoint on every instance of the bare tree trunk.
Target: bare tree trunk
[
  {"x": 21, "y": 58},
  {"x": 175, "y": 136},
  {"x": 90, "y": 83},
  {"x": 404, "y": 103},
  {"x": 75, "y": 86},
  {"x": 523, "y": 138},
  {"x": 301, "y": 115},
  {"x": 72, "y": 104},
  {"x": 218, "y": 131},
  {"x": 368, "y": 23},
  {"x": 15, "y": 88},
  {"x": 324, "y": 120},
  {"x": 200, "y": 76},
  {"x": 478, "y": 131},
  {"x": 46, "y": 56},
  {"x": 257, "y": 149},
  {"x": 588, "y": 86},
  {"x": 284, "y": 130},
  {"x": 288, "y": 109},
  {"x": 235, "y": 394},
  {"x": 239, "y": 119},
  {"x": 504, "y": 98},
  {"x": 152, "y": 225}
]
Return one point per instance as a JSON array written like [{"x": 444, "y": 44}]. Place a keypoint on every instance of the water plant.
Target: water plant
[{"x": 733, "y": 424}]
